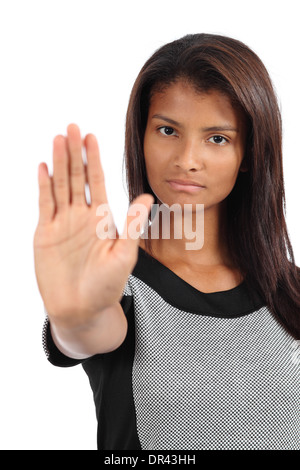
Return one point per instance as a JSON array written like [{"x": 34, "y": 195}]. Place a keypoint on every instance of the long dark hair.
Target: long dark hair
[{"x": 257, "y": 234}]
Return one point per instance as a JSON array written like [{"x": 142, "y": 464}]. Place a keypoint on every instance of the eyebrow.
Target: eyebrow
[{"x": 204, "y": 129}]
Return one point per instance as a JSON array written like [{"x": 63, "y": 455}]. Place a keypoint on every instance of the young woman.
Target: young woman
[{"x": 184, "y": 348}]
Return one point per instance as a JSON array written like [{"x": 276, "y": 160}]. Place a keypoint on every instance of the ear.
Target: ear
[{"x": 243, "y": 167}]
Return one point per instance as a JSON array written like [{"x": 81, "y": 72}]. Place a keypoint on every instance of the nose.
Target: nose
[{"x": 189, "y": 156}]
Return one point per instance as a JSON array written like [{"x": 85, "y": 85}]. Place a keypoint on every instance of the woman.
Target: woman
[{"x": 184, "y": 348}]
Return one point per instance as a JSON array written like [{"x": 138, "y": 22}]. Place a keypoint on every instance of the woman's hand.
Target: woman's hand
[{"x": 79, "y": 274}]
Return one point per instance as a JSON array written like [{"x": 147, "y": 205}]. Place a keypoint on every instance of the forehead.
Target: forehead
[
  {"x": 182, "y": 98},
  {"x": 181, "y": 93}
]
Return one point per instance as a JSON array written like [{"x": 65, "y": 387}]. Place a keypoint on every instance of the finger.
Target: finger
[
  {"x": 137, "y": 218},
  {"x": 95, "y": 174},
  {"x": 77, "y": 174},
  {"x": 61, "y": 185},
  {"x": 106, "y": 227},
  {"x": 46, "y": 200}
]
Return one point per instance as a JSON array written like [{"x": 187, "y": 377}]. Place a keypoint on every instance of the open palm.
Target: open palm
[{"x": 79, "y": 274}]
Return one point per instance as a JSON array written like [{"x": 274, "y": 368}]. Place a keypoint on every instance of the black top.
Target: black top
[{"x": 196, "y": 370}]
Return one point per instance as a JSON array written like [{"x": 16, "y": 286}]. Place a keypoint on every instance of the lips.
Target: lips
[
  {"x": 187, "y": 186},
  {"x": 186, "y": 183}
]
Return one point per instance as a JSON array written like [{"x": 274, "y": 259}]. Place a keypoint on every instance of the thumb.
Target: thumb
[{"x": 137, "y": 218}]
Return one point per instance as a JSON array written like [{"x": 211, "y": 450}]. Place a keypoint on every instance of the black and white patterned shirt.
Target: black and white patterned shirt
[{"x": 196, "y": 370}]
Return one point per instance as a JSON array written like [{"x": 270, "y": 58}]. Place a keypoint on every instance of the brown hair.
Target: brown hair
[{"x": 257, "y": 234}]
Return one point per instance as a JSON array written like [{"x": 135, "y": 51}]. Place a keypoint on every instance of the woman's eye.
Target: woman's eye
[
  {"x": 165, "y": 130},
  {"x": 218, "y": 139}
]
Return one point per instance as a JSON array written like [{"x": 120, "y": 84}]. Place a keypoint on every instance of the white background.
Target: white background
[{"x": 68, "y": 61}]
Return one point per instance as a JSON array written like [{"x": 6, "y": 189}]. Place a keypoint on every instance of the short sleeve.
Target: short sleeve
[
  {"x": 126, "y": 300},
  {"x": 55, "y": 356}
]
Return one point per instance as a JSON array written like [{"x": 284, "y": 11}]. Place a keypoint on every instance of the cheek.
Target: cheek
[
  {"x": 152, "y": 164},
  {"x": 153, "y": 170},
  {"x": 157, "y": 171},
  {"x": 224, "y": 175},
  {"x": 155, "y": 160}
]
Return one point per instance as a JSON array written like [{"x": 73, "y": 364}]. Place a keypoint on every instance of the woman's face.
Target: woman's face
[{"x": 196, "y": 137}]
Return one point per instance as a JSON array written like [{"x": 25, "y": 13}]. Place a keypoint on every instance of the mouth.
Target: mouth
[{"x": 185, "y": 185}]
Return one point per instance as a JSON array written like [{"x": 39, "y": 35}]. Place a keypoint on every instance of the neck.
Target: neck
[{"x": 195, "y": 238}]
